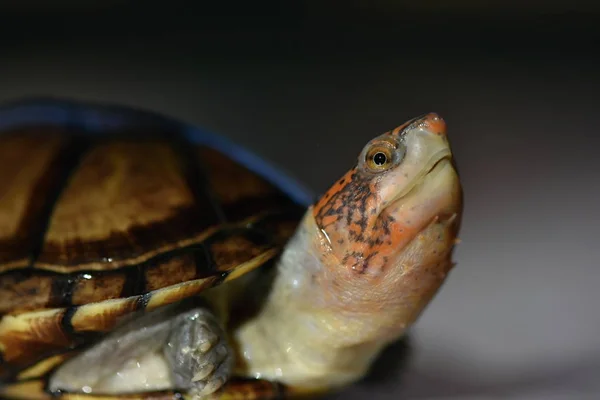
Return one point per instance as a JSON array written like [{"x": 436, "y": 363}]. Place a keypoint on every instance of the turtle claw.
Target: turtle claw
[
  {"x": 207, "y": 339},
  {"x": 203, "y": 373},
  {"x": 213, "y": 370},
  {"x": 212, "y": 386}
]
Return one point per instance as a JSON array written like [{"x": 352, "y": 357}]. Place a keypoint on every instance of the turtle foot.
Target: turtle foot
[{"x": 200, "y": 357}]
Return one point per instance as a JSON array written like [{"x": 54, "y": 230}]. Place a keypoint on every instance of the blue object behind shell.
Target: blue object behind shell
[{"x": 98, "y": 119}]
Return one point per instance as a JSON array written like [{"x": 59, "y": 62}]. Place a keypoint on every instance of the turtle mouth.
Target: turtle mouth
[{"x": 432, "y": 168}]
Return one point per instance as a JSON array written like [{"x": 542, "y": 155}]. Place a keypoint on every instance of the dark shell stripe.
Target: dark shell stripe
[
  {"x": 32, "y": 174},
  {"x": 221, "y": 251},
  {"x": 237, "y": 389}
]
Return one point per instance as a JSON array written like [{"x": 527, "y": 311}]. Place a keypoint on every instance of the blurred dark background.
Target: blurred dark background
[{"x": 305, "y": 84}]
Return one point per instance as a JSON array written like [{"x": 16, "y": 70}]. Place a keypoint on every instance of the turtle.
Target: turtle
[{"x": 142, "y": 257}]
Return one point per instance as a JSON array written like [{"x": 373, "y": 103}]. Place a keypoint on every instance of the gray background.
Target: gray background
[{"x": 306, "y": 85}]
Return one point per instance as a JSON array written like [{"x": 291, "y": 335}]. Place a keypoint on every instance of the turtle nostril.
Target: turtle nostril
[{"x": 435, "y": 124}]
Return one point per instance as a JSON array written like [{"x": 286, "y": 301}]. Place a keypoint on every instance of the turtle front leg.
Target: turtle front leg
[
  {"x": 180, "y": 346},
  {"x": 198, "y": 353}
]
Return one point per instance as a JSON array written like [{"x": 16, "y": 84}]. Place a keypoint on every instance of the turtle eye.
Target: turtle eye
[{"x": 379, "y": 158}]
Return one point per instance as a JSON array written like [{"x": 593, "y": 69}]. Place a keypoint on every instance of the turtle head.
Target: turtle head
[{"x": 386, "y": 229}]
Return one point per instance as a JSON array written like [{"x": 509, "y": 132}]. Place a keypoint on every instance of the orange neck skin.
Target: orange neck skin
[
  {"x": 350, "y": 216},
  {"x": 371, "y": 304}
]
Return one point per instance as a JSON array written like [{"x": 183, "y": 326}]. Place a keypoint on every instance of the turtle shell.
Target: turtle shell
[{"x": 107, "y": 211}]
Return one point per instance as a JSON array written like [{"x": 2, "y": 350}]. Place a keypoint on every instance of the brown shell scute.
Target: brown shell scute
[
  {"x": 240, "y": 193},
  {"x": 125, "y": 202},
  {"x": 30, "y": 170}
]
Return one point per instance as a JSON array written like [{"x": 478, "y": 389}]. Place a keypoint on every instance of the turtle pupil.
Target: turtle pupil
[{"x": 379, "y": 159}]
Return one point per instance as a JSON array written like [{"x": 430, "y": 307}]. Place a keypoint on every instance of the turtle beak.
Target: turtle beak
[{"x": 428, "y": 151}]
